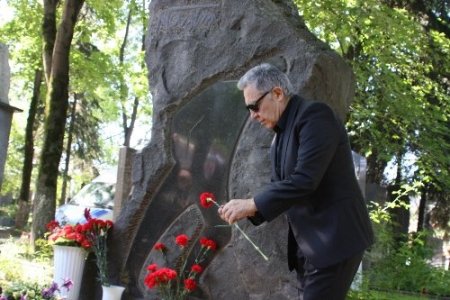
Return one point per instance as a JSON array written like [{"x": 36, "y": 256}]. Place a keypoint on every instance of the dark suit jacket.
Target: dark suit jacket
[{"x": 315, "y": 185}]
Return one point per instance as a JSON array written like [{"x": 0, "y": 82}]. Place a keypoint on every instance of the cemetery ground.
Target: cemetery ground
[{"x": 18, "y": 264}]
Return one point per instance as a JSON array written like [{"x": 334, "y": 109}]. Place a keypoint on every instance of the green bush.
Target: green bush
[
  {"x": 407, "y": 268},
  {"x": 401, "y": 265},
  {"x": 25, "y": 290},
  {"x": 8, "y": 211}
]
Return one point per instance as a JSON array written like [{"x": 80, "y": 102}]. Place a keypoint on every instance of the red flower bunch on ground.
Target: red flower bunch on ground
[
  {"x": 177, "y": 284},
  {"x": 67, "y": 235}
]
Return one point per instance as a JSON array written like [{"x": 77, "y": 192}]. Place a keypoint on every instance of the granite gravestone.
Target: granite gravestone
[
  {"x": 6, "y": 110},
  {"x": 202, "y": 139}
]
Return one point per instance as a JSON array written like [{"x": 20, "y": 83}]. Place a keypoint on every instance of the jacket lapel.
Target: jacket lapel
[{"x": 293, "y": 112}]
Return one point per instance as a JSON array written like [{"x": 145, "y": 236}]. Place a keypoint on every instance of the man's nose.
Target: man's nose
[{"x": 253, "y": 114}]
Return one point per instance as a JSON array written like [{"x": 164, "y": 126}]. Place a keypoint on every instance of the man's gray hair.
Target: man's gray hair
[{"x": 265, "y": 77}]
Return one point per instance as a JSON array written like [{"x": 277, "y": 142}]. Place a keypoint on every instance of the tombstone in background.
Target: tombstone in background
[
  {"x": 6, "y": 110},
  {"x": 202, "y": 140}
]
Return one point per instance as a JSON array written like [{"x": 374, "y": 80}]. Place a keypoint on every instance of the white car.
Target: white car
[{"x": 98, "y": 196}]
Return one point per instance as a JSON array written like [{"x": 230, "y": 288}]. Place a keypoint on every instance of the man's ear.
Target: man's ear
[{"x": 278, "y": 93}]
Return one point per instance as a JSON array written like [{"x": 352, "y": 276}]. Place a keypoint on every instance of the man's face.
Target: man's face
[{"x": 264, "y": 106}]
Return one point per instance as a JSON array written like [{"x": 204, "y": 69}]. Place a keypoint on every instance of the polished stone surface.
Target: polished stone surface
[{"x": 205, "y": 132}]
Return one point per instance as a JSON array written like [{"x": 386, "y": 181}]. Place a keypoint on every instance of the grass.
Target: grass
[
  {"x": 379, "y": 295},
  {"x": 17, "y": 264}
]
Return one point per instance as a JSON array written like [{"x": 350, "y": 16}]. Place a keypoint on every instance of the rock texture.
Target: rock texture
[{"x": 191, "y": 47}]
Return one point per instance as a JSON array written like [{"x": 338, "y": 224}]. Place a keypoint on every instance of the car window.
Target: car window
[{"x": 95, "y": 194}]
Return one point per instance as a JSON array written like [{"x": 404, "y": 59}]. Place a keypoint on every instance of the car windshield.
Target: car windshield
[{"x": 95, "y": 194}]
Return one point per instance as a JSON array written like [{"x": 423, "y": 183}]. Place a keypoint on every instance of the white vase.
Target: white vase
[
  {"x": 112, "y": 292},
  {"x": 68, "y": 263}
]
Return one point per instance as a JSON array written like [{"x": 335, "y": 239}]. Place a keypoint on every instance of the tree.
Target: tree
[
  {"x": 401, "y": 106},
  {"x": 16, "y": 34},
  {"x": 27, "y": 169},
  {"x": 95, "y": 72},
  {"x": 56, "y": 114}
]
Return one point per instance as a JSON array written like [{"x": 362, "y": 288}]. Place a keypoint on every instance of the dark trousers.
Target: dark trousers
[{"x": 329, "y": 283}]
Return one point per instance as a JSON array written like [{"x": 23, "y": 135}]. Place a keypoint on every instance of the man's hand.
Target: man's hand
[{"x": 237, "y": 209}]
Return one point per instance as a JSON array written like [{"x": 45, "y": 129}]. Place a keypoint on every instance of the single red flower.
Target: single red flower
[
  {"x": 182, "y": 240},
  {"x": 150, "y": 280},
  {"x": 152, "y": 268},
  {"x": 86, "y": 244},
  {"x": 164, "y": 275},
  {"x": 67, "y": 229},
  {"x": 196, "y": 269},
  {"x": 207, "y": 199},
  {"x": 207, "y": 243},
  {"x": 52, "y": 225},
  {"x": 109, "y": 224},
  {"x": 160, "y": 247},
  {"x": 190, "y": 284}
]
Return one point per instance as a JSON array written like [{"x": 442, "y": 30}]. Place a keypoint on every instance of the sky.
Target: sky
[{"x": 6, "y": 13}]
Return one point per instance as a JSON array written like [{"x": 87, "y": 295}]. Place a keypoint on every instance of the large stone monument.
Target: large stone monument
[
  {"x": 202, "y": 140},
  {"x": 6, "y": 110}
]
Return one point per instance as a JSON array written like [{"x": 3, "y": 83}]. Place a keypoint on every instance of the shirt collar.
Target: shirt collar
[{"x": 281, "y": 124}]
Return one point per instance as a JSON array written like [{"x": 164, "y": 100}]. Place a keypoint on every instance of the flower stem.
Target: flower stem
[
  {"x": 245, "y": 235},
  {"x": 251, "y": 242}
]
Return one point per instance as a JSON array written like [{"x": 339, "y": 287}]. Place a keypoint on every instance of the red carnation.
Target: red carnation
[
  {"x": 152, "y": 268},
  {"x": 190, "y": 284},
  {"x": 160, "y": 247},
  {"x": 196, "y": 269},
  {"x": 52, "y": 225},
  {"x": 182, "y": 240},
  {"x": 109, "y": 224},
  {"x": 207, "y": 199},
  {"x": 207, "y": 243}
]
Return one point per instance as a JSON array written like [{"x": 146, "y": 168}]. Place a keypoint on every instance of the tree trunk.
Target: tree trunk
[
  {"x": 27, "y": 169},
  {"x": 399, "y": 214},
  {"x": 127, "y": 129},
  {"x": 65, "y": 175},
  {"x": 49, "y": 33},
  {"x": 422, "y": 210},
  {"x": 56, "y": 114}
]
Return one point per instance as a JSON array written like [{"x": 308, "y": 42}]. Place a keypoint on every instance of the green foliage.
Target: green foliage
[
  {"x": 8, "y": 210},
  {"x": 402, "y": 101},
  {"x": 13, "y": 167},
  {"x": 407, "y": 268},
  {"x": 43, "y": 251},
  {"x": 19, "y": 290},
  {"x": 18, "y": 265},
  {"x": 378, "y": 295},
  {"x": 400, "y": 265},
  {"x": 96, "y": 77}
]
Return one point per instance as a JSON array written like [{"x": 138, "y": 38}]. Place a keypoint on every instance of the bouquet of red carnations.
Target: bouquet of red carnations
[{"x": 176, "y": 284}]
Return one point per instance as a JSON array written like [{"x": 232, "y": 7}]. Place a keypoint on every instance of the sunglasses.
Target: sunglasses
[{"x": 255, "y": 106}]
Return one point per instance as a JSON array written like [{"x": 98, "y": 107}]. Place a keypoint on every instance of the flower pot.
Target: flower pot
[
  {"x": 112, "y": 292},
  {"x": 68, "y": 263}
]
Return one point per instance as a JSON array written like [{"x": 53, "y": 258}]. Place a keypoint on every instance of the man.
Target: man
[{"x": 313, "y": 183}]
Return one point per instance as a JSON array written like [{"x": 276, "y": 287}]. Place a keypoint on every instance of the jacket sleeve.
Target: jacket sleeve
[
  {"x": 317, "y": 130},
  {"x": 257, "y": 219}
]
